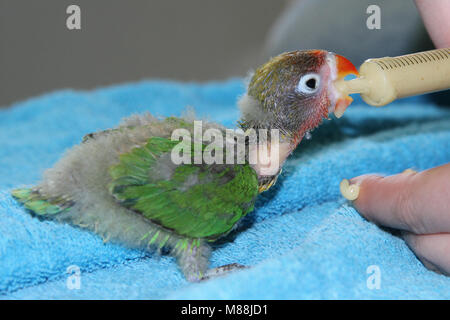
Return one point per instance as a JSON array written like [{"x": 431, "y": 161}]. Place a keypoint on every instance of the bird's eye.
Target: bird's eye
[{"x": 308, "y": 83}]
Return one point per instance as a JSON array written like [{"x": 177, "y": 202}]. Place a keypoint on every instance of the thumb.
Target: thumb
[{"x": 411, "y": 201}]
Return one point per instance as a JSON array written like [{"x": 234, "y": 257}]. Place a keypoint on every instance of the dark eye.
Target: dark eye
[
  {"x": 311, "y": 83},
  {"x": 308, "y": 83}
]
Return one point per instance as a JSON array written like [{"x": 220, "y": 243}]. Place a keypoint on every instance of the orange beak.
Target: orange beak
[{"x": 343, "y": 68}]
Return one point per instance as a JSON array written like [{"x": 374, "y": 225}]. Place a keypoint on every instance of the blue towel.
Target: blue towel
[{"x": 302, "y": 241}]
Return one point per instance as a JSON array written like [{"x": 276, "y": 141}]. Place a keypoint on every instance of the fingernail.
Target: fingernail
[{"x": 349, "y": 191}]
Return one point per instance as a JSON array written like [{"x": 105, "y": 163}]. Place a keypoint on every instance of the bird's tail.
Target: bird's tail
[{"x": 35, "y": 202}]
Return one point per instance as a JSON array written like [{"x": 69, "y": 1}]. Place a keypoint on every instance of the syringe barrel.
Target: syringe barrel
[{"x": 418, "y": 73}]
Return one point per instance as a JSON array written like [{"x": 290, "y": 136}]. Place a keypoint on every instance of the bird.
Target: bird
[{"x": 128, "y": 185}]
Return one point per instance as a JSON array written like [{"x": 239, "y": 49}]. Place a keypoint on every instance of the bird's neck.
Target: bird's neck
[
  {"x": 268, "y": 147},
  {"x": 269, "y": 158},
  {"x": 273, "y": 144}
]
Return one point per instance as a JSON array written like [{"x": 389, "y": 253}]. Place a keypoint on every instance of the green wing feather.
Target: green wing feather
[
  {"x": 34, "y": 201},
  {"x": 198, "y": 201}
]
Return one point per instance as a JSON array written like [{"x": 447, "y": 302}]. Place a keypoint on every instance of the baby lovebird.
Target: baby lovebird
[{"x": 123, "y": 184}]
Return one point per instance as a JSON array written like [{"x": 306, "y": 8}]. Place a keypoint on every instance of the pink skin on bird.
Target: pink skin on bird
[{"x": 271, "y": 159}]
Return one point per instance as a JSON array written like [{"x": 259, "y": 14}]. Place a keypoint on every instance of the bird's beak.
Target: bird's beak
[{"x": 343, "y": 68}]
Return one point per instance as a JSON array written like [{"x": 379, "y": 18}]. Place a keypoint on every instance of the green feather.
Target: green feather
[
  {"x": 33, "y": 200},
  {"x": 197, "y": 201}
]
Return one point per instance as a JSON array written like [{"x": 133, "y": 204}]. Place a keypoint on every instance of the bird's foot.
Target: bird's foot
[{"x": 222, "y": 270}]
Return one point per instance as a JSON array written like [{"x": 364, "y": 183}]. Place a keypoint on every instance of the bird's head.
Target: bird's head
[{"x": 294, "y": 92}]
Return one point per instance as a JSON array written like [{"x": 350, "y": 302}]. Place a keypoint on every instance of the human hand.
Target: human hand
[
  {"x": 418, "y": 203},
  {"x": 436, "y": 17}
]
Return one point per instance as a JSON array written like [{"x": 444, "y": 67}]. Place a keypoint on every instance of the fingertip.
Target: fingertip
[
  {"x": 350, "y": 188},
  {"x": 368, "y": 184},
  {"x": 386, "y": 200},
  {"x": 349, "y": 191},
  {"x": 367, "y": 178}
]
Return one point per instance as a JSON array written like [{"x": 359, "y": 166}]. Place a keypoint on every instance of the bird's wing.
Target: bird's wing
[
  {"x": 39, "y": 204},
  {"x": 194, "y": 200}
]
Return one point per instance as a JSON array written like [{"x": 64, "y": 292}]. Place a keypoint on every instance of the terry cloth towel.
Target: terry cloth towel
[{"x": 302, "y": 241}]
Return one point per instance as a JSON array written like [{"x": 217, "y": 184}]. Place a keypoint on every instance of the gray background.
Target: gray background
[
  {"x": 200, "y": 40},
  {"x": 125, "y": 40}
]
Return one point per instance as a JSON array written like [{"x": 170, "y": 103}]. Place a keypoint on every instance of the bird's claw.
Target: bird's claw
[{"x": 222, "y": 270}]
